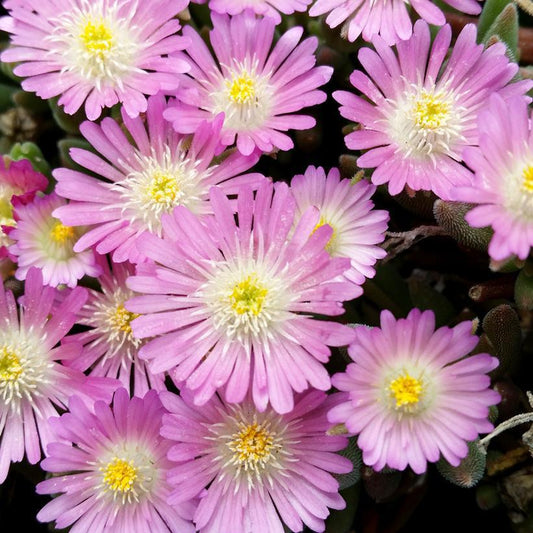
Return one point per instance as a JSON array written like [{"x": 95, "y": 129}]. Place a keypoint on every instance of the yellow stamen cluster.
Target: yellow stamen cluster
[
  {"x": 163, "y": 188},
  {"x": 430, "y": 111},
  {"x": 527, "y": 183},
  {"x": 120, "y": 476},
  {"x": 96, "y": 38},
  {"x": 10, "y": 367},
  {"x": 241, "y": 89},
  {"x": 248, "y": 296},
  {"x": 405, "y": 390},
  {"x": 62, "y": 234},
  {"x": 253, "y": 444},
  {"x": 120, "y": 319}
]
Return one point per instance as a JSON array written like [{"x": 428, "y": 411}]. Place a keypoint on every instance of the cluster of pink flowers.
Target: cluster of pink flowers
[{"x": 192, "y": 393}]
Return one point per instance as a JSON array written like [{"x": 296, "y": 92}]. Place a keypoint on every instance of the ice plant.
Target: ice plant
[
  {"x": 346, "y": 207},
  {"x": 418, "y": 113},
  {"x": 18, "y": 181},
  {"x": 270, "y": 8},
  {"x": 231, "y": 304},
  {"x": 42, "y": 241},
  {"x": 110, "y": 349},
  {"x": 100, "y": 52},
  {"x": 143, "y": 178},
  {"x": 413, "y": 395},
  {"x": 258, "y": 89},
  {"x": 33, "y": 382},
  {"x": 259, "y": 467},
  {"x": 109, "y": 465},
  {"x": 503, "y": 183},
  {"x": 388, "y": 18}
]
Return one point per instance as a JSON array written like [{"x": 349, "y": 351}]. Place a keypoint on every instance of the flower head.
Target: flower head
[
  {"x": 95, "y": 51},
  {"x": 260, "y": 468},
  {"x": 348, "y": 209},
  {"x": 390, "y": 19},
  {"x": 144, "y": 179},
  {"x": 33, "y": 383},
  {"x": 42, "y": 241},
  {"x": 19, "y": 182},
  {"x": 423, "y": 112},
  {"x": 110, "y": 349},
  {"x": 503, "y": 182},
  {"x": 225, "y": 299},
  {"x": 270, "y": 8},
  {"x": 412, "y": 393},
  {"x": 257, "y": 89},
  {"x": 110, "y": 469}
]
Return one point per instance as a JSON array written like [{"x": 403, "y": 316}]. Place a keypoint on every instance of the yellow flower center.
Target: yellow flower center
[
  {"x": 430, "y": 111},
  {"x": 251, "y": 445},
  {"x": 10, "y": 367},
  {"x": 527, "y": 183},
  {"x": 406, "y": 390},
  {"x": 241, "y": 89},
  {"x": 330, "y": 244},
  {"x": 96, "y": 38},
  {"x": 120, "y": 319},
  {"x": 120, "y": 475},
  {"x": 62, "y": 234},
  {"x": 163, "y": 188},
  {"x": 248, "y": 296}
]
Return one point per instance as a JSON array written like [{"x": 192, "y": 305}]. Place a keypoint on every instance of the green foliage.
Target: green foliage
[
  {"x": 470, "y": 469},
  {"x": 505, "y": 29},
  {"x": 491, "y": 10}
]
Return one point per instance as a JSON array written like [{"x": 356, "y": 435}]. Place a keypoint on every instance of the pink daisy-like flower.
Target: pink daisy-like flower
[
  {"x": 231, "y": 304},
  {"x": 110, "y": 473},
  {"x": 413, "y": 395},
  {"x": 260, "y": 468},
  {"x": 33, "y": 384},
  {"x": 110, "y": 349},
  {"x": 421, "y": 112},
  {"x": 18, "y": 181},
  {"x": 503, "y": 183},
  {"x": 388, "y": 18},
  {"x": 348, "y": 209},
  {"x": 144, "y": 178},
  {"x": 257, "y": 89},
  {"x": 270, "y": 8},
  {"x": 100, "y": 52},
  {"x": 42, "y": 241}
]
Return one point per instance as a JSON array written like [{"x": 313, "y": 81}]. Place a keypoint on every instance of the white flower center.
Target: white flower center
[
  {"x": 96, "y": 42},
  {"x": 252, "y": 447},
  {"x": 157, "y": 185},
  {"x": 245, "y": 97},
  {"x": 58, "y": 241},
  {"x": 127, "y": 473},
  {"x": 247, "y": 301},
  {"x": 112, "y": 322},
  {"x": 426, "y": 123},
  {"x": 24, "y": 367}
]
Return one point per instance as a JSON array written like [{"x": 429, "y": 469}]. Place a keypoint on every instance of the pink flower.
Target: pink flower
[
  {"x": 388, "y": 18},
  {"x": 99, "y": 52},
  {"x": 109, "y": 347},
  {"x": 146, "y": 174},
  {"x": 348, "y": 209},
  {"x": 257, "y": 89},
  {"x": 270, "y": 8},
  {"x": 231, "y": 304},
  {"x": 33, "y": 384},
  {"x": 412, "y": 393},
  {"x": 42, "y": 241},
  {"x": 109, "y": 467},
  {"x": 419, "y": 108},
  {"x": 19, "y": 182},
  {"x": 503, "y": 182},
  {"x": 258, "y": 467}
]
